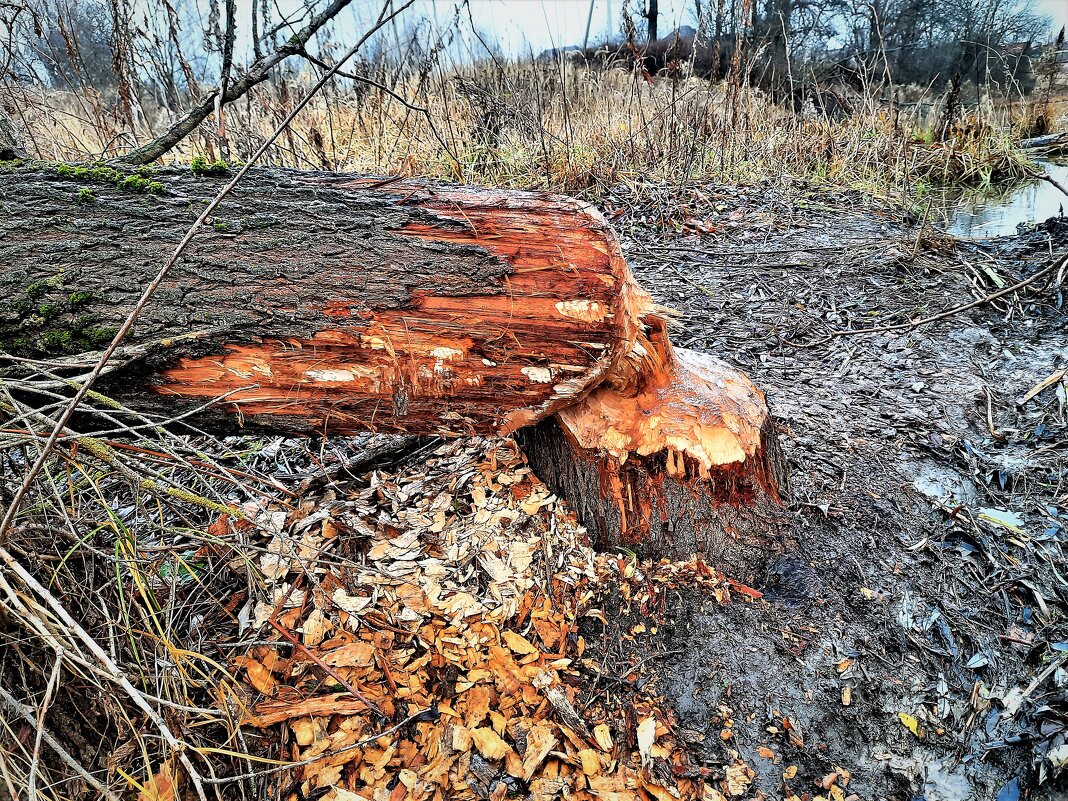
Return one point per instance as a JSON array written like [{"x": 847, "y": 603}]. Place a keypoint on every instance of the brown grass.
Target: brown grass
[{"x": 570, "y": 128}]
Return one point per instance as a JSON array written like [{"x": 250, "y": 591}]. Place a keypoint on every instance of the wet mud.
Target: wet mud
[{"x": 917, "y": 642}]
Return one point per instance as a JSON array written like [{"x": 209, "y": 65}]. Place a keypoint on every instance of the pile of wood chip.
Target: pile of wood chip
[{"x": 450, "y": 664}]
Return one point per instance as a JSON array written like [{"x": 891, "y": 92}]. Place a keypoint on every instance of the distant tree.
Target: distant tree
[{"x": 75, "y": 45}]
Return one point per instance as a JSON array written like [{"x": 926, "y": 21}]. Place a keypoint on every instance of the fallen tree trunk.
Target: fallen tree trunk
[
  {"x": 330, "y": 304},
  {"x": 318, "y": 303}
]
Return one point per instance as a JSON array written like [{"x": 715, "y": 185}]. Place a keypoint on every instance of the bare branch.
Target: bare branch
[{"x": 256, "y": 74}]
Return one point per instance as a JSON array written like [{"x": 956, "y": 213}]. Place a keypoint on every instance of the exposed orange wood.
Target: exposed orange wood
[
  {"x": 700, "y": 413},
  {"x": 569, "y": 310}
]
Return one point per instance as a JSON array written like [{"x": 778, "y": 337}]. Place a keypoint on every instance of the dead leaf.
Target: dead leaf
[
  {"x": 591, "y": 761},
  {"x": 315, "y": 628},
  {"x": 160, "y": 787},
  {"x": 517, "y": 643},
  {"x": 540, "y": 741},
  {"x": 911, "y": 723},
  {"x": 603, "y": 735},
  {"x": 258, "y": 675}
]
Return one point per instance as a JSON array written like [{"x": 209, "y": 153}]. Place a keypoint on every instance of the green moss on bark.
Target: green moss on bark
[{"x": 50, "y": 318}]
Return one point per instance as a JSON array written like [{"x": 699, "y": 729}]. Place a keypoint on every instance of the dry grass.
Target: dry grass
[{"x": 570, "y": 128}]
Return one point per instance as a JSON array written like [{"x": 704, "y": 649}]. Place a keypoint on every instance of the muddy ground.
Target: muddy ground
[
  {"x": 915, "y": 639},
  {"x": 919, "y": 640}
]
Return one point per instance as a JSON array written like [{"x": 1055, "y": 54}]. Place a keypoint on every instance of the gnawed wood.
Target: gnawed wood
[
  {"x": 319, "y": 302},
  {"x": 675, "y": 454}
]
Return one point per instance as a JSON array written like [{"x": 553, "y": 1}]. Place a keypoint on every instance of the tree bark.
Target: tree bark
[{"x": 319, "y": 303}]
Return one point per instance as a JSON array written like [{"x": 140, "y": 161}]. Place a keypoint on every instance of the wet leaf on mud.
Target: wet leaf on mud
[
  {"x": 911, "y": 723},
  {"x": 1002, "y": 517},
  {"x": 1010, "y": 792}
]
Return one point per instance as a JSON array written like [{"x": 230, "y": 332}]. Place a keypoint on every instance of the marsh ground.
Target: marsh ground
[{"x": 918, "y": 637}]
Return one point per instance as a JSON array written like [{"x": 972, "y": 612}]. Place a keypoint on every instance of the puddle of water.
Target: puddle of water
[{"x": 978, "y": 216}]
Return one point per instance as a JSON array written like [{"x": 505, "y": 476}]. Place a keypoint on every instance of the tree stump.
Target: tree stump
[
  {"x": 675, "y": 454},
  {"x": 329, "y": 304}
]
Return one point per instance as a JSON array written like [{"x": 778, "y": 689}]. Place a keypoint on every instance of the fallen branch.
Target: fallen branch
[
  {"x": 256, "y": 73},
  {"x": 911, "y": 324},
  {"x": 1045, "y": 176}
]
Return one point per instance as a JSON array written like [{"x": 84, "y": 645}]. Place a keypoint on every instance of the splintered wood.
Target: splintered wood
[
  {"x": 675, "y": 454},
  {"x": 462, "y": 621},
  {"x": 323, "y": 303}
]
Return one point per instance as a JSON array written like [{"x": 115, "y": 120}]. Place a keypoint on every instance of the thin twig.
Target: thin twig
[
  {"x": 50, "y": 688},
  {"x": 910, "y": 324}
]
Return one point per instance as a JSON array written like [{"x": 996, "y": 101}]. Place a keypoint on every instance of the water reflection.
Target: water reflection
[{"x": 981, "y": 215}]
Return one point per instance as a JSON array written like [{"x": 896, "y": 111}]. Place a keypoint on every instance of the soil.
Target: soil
[
  {"x": 912, "y": 647},
  {"x": 930, "y": 506}
]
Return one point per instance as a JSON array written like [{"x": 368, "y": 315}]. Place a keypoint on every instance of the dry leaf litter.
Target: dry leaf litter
[{"x": 462, "y": 629}]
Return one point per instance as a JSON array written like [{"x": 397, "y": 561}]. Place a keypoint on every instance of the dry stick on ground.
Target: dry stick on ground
[
  {"x": 27, "y": 714},
  {"x": 1045, "y": 176},
  {"x": 9, "y": 560},
  {"x": 910, "y": 324},
  {"x": 50, "y": 689}
]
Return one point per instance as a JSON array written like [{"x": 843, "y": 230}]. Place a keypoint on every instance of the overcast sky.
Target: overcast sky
[{"x": 518, "y": 26}]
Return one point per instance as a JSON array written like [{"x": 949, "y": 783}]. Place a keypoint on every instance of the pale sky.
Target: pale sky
[
  {"x": 519, "y": 25},
  {"x": 1057, "y": 10}
]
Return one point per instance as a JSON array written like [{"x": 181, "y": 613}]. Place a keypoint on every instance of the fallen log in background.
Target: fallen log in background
[{"x": 330, "y": 304}]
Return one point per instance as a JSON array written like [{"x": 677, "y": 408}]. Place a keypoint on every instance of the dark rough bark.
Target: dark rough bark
[{"x": 318, "y": 302}]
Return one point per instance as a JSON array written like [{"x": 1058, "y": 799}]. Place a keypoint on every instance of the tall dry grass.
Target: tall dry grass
[{"x": 566, "y": 126}]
